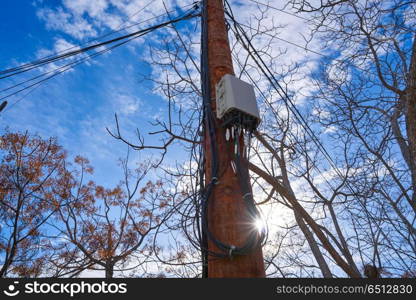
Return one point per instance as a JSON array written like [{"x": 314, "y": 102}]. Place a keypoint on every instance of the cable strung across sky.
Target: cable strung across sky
[
  {"x": 246, "y": 43},
  {"x": 26, "y": 67},
  {"x": 115, "y": 42}
]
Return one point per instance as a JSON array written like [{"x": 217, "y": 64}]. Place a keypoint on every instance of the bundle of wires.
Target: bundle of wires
[
  {"x": 112, "y": 44},
  {"x": 202, "y": 199}
]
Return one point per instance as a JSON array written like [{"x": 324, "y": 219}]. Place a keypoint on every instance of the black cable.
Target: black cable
[
  {"x": 275, "y": 112},
  {"x": 64, "y": 68},
  {"x": 279, "y": 89},
  {"x": 29, "y": 66},
  {"x": 303, "y": 47},
  {"x": 69, "y": 66},
  {"x": 120, "y": 28},
  {"x": 3, "y": 105},
  {"x": 308, "y": 20},
  {"x": 90, "y": 41},
  {"x": 274, "y": 82},
  {"x": 287, "y": 101},
  {"x": 283, "y": 40},
  {"x": 207, "y": 114},
  {"x": 253, "y": 239},
  {"x": 279, "y": 9}
]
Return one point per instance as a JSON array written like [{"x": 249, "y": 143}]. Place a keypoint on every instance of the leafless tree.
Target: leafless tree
[
  {"x": 367, "y": 97},
  {"x": 348, "y": 212}
]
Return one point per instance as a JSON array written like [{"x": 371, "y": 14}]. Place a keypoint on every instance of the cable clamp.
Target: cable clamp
[
  {"x": 214, "y": 180},
  {"x": 247, "y": 195}
]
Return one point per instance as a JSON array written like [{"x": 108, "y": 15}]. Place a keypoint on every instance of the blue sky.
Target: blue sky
[{"x": 78, "y": 105}]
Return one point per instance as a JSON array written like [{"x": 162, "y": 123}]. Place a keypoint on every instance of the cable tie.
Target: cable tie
[
  {"x": 232, "y": 248},
  {"x": 234, "y": 167}
]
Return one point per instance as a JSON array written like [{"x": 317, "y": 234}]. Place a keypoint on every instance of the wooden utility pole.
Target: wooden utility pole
[
  {"x": 228, "y": 220},
  {"x": 410, "y": 108}
]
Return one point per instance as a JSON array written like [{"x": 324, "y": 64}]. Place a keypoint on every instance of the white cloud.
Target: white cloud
[
  {"x": 85, "y": 18},
  {"x": 93, "y": 8},
  {"x": 63, "y": 45},
  {"x": 126, "y": 104},
  {"x": 60, "y": 20},
  {"x": 331, "y": 129}
]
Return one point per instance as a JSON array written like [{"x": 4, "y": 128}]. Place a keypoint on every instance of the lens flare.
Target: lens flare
[{"x": 259, "y": 225}]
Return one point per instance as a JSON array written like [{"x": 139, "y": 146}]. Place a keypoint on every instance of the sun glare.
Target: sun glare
[{"x": 259, "y": 225}]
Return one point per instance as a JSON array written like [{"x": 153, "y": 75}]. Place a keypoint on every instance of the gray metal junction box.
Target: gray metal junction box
[{"x": 236, "y": 102}]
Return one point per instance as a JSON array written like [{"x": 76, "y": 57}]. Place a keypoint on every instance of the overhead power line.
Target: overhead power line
[
  {"x": 328, "y": 56},
  {"x": 3, "y": 105},
  {"x": 245, "y": 41},
  {"x": 280, "y": 9},
  {"x": 63, "y": 69},
  {"x": 290, "y": 105},
  {"x": 29, "y": 66},
  {"x": 309, "y": 20},
  {"x": 277, "y": 86},
  {"x": 283, "y": 40},
  {"x": 119, "y": 29},
  {"x": 116, "y": 42}
]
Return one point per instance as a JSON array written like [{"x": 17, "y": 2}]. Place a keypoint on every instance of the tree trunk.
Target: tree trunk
[
  {"x": 326, "y": 244},
  {"x": 314, "y": 246},
  {"x": 109, "y": 270}
]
